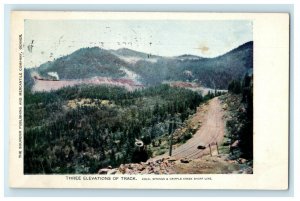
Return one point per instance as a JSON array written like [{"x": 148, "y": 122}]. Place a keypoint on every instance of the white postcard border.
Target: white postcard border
[{"x": 271, "y": 93}]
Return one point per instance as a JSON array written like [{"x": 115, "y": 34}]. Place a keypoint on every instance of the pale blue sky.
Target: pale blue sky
[{"x": 52, "y": 39}]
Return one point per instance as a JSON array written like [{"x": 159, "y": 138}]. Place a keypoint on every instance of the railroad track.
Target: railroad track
[{"x": 211, "y": 132}]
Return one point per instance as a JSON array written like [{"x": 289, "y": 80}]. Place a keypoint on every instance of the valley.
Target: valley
[{"x": 117, "y": 111}]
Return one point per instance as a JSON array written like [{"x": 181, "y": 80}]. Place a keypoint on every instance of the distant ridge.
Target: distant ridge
[{"x": 152, "y": 69}]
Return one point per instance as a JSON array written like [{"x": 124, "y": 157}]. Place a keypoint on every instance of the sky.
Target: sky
[{"x": 46, "y": 40}]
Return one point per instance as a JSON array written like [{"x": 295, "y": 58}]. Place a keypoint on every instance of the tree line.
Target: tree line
[{"x": 244, "y": 132}]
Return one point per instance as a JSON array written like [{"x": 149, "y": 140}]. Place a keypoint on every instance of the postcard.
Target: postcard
[{"x": 140, "y": 100}]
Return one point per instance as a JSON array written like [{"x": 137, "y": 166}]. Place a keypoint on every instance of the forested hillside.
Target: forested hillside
[
  {"x": 239, "y": 104},
  {"x": 83, "y": 128},
  {"x": 85, "y": 63}
]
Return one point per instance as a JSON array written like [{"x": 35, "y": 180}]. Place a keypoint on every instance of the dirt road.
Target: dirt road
[
  {"x": 211, "y": 132},
  {"x": 199, "y": 162}
]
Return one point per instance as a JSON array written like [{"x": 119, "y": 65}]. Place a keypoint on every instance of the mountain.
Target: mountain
[
  {"x": 85, "y": 63},
  {"x": 210, "y": 72},
  {"x": 152, "y": 69}
]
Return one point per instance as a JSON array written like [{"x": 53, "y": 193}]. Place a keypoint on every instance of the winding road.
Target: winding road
[{"x": 211, "y": 132}]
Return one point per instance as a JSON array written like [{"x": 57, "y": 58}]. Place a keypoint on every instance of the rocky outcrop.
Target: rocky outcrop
[
  {"x": 220, "y": 164},
  {"x": 159, "y": 166}
]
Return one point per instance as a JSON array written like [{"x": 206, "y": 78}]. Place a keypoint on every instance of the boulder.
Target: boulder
[
  {"x": 242, "y": 160},
  {"x": 113, "y": 171},
  {"x": 172, "y": 159},
  {"x": 201, "y": 146},
  {"x": 184, "y": 160},
  {"x": 103, "y": 171},
  {"x": 141, "y": 168},
  {"x": 122, "y": 168}
]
